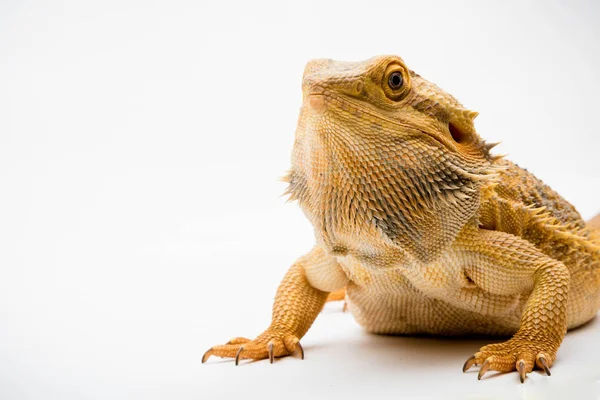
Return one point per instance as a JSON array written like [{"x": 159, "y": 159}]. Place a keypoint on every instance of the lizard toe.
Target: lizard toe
[
  {"x": 238, "y": 340},
  {"x": 542, "y": 363}
]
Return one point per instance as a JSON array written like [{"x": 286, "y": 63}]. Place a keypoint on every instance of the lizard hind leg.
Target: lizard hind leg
[{"x": 338, "y": 295}]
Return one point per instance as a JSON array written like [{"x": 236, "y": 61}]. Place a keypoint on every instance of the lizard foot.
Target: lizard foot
[
  {"x": 269, "y": 345},
  {"x": 338, "y": 296},
  {"x": 515, "y": 354}
]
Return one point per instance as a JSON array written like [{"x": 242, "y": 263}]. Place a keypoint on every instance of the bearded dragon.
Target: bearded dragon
[{"x": 427, "y": 231}]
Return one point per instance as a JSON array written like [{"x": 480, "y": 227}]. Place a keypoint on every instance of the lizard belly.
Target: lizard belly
[{"x": 390, "y": 303}]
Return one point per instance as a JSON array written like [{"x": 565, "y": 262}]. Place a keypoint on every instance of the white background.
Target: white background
[{"x": 140, "y": 212}]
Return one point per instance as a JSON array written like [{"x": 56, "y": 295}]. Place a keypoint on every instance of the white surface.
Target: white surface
[{"x": 140, "y": 146}]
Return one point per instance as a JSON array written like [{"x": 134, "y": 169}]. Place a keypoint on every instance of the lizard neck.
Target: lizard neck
[{"x": 371, "y": 189}]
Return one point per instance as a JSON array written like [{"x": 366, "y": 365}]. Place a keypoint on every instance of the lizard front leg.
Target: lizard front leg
[
  {"x": 300, "y": 298},
  {"x": 503, "y": 263}
]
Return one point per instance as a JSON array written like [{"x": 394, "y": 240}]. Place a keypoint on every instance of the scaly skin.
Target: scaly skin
[{"x": 427, "y": 231}]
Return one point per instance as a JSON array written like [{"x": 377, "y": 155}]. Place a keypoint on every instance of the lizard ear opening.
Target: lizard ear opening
[
  {"x": 461, "y": 128},
  {"x": 458, "y": 135}
]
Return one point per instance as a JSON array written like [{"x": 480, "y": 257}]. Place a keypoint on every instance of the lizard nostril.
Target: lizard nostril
[{"x": 359, "y": 87}]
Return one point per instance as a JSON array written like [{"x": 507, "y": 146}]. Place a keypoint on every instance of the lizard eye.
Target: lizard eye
[{"x": 395, "y": 80}]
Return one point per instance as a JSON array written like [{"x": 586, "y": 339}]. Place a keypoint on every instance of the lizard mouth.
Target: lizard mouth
[{"x": 322, "y": 100}]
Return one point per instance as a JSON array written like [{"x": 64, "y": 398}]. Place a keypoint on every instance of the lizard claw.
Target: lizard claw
[
  {"x": 543, "y": 364},
  {"x": 484, "y": 367},
  {"x": 521, "y": 369},
  {"x": 302, "y": 350},
  {"x": 271, "y": 356},
  {"x": 207, "y": 355},
  {"x": 469, "y": 363},
  {"x": 237, "y": 355}
]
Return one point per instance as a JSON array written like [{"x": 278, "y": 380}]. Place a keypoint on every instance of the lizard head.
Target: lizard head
[
  {"x": 378, "y": 148},
  {"x": 384, "y": 88}
]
